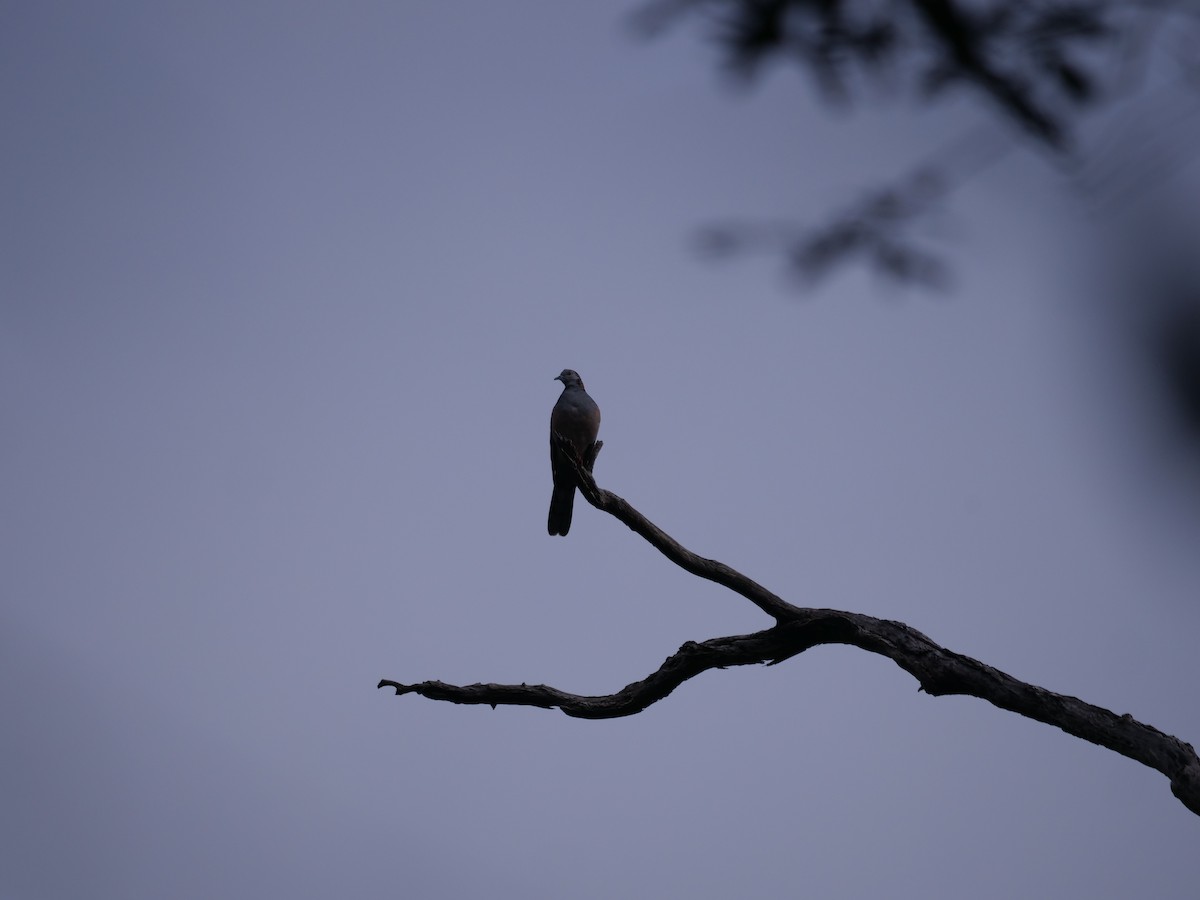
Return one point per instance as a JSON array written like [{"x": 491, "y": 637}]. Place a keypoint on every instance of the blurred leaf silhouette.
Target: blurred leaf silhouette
[
  {"x": 872, "y": 230},
  {"x": 1039, "y": 65},
  {"x": 1023, "y": 56}
]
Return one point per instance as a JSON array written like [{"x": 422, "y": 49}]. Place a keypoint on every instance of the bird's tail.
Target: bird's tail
[{"x": 562, "y": 502}]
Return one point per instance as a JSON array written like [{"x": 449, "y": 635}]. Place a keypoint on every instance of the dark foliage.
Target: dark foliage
[
  {"x": 1039, "y": 65},
  {"x": 1026, "y": 57}
]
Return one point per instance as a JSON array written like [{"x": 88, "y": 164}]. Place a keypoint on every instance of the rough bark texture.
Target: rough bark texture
[{"x": 939, "y": 671}]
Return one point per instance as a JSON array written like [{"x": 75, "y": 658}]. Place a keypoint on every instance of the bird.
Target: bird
[{"x": 577, "y": 418}]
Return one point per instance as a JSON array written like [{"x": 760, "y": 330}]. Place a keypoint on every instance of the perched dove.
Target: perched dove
[{"x": 577, "y": 418}]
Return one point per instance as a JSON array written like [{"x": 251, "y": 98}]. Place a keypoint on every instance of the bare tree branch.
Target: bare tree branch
[
  {"x": 709, "y": 569},
  {"x": 938, "y": 671}
]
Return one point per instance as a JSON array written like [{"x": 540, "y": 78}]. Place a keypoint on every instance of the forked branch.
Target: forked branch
[{"x": 938, "y": 671}]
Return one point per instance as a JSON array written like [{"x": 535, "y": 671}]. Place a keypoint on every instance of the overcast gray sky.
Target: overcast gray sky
[{"x": 282, "y": 291}]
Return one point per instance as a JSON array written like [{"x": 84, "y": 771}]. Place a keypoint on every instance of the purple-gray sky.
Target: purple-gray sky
[{"x": 283, "y": 287}]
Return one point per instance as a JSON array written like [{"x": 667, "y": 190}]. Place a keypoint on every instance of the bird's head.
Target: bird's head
[{"x": 569, "y": 378}]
